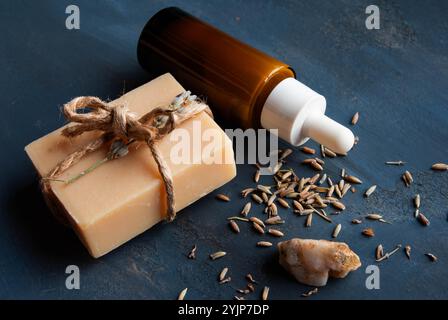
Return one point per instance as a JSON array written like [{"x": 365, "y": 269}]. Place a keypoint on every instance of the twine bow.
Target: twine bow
[{"x": 122, "y": 128}]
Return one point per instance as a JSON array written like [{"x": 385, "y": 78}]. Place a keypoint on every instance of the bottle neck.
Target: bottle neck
[
  {"x": 287, "y": 107},
  {"x": 297, "y": 113}
]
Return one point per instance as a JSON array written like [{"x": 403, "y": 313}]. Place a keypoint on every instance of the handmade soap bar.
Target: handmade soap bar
[{"x": 124, "y": 197}]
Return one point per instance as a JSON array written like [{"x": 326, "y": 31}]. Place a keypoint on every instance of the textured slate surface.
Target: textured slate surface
[{"x": 396, "y": 77}]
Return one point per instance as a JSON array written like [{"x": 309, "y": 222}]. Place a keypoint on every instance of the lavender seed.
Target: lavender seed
[
  {"x": 222, "y": 197},
  {"x": 309, "y": 220},
  {"x": 322, "y": 214},
  {"x": 258, "y": 228},
  {"x": 243, "y": 291},
  {"x": 273, "y": 209},
  {"x": 330, "y": 191},
  {"x": 417, "y": 201},
  {"x": 316, "y": 166},
  {"x": 257, "y": 221},
  {"x": 297, "y": 205},
  {"x": 257, "y": 176},
  {"x": 182, "y": 294},
  {"x": 256, "y": 198},
  {"x": 330, "y": 153},
  {"x": 250, "y": 278},
  {"x": 352, "y": 179},
  {"x": 416, "y": 213},
  {"x": 283, "y": 203},
  {"x": 238, "y": 218},
  {"x": 322, "y": 180},
  {"x": 407, "y": 250},
  {"x": 286, "y": 175},
  {"x": 370, "y": 191},
  {"x": 264, "y": 244},
  {"x": 264, "y": 189},
  {"x": 271, "y": 200},
  {"x": 347, "y": 187},
  {"x": 338, "y": 205},
  {"x": 285, "y": 154},
  {"x": 234, "y": 226},
  {"x": 322, "y": 151},
  {"x": 379, "y": 252},
  {"x": 341, "y": 184},
  {"x": 356, "y": 221},
  {"x": 292, "y": 195},
  {"x": 336, "y": 231},
  {"x": 265, "y": 293},
  {"x": 192, "y": 254},
  {"x": 319, "y": 161},
  {"x": 314, "y": 179},
  {"x": 308, "y": 150},
  {"x": 276, "y": 168},
  {"x": 338, "y": 191},
  {"x": 439, "y": 167},
  {"x": 308, "y": 161},
  {"x": 422, "y": 219},
  {"x": 274, "y": 220},
  {"x": 321, "y": 189},
  {"x": 246, "y": 209},
  {"x": 405, "y": 180},
  {"x": 355, "y": 118},
  {"x": 395, "y": 163},
  {"x": 407, "y": 177},
  {"x": 265, "y": 197},
  {"x": 247, "y": 191},
  {"x": 223, "y": 273},
  {"x": 310, "y": 293},
  {"x": 431, "y": 257},
  {"x": 217, "y": 255},
  {"x": 374, "y": 216},
  {"x": 368, "y": 232},
  {"x": 275, "y": 233},
  {"x": 228, "y": 279}
]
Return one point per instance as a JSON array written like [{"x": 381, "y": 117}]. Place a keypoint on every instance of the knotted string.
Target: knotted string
[{"x": 122, "y": 128}]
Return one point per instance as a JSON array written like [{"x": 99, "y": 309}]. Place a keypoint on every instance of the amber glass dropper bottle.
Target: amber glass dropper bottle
[{"x": 242, "y": 84}]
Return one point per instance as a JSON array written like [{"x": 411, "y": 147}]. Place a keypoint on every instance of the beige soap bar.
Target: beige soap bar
[{"x": 125, "y": 197}]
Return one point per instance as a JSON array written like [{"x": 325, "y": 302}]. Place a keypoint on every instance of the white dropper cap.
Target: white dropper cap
[{"x": 298, "y": 113}]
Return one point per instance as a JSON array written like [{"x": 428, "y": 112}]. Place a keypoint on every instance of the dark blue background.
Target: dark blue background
[{"x": 396, "y": 77}]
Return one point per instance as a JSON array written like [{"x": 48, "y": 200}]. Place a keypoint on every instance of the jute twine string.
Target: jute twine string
[{"x": 121, "y": 128}]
